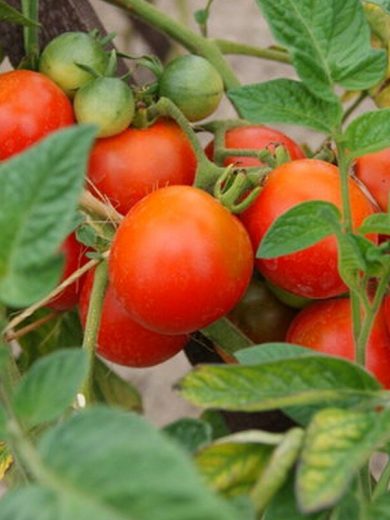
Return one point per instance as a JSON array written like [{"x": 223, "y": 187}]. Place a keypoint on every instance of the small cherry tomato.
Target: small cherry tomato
[
  {"x": 256, "y": 137},
  {"x": 31, "y": 106},
  {"x": 121, "y": 339},
  {"x": 312, "y": 272},
  {"x": 179, "y": 260},
  {"x": 107, "y": 103},
  {"x": 327, "y": 327},
  {"x": 75, "y": 258},
  {"x": 261, "y": 316},
  {"x": 193, "y": 84},
  {"x": 61, "y": 58},
  {"x": 128, "y": 166},
  {"x": 373, "y": 170}
]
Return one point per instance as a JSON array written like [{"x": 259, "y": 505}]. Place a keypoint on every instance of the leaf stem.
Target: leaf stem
[
  {"x": 354, "y": 105},
  {"x": 91, "y": 331},
  {"x": 344, "y": 163},
  {"x": 12, "y": 335},
  {"x": 231, "y": 47}
]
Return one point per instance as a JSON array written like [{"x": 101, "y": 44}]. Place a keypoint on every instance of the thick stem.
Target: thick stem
[
  {"x": 230, "y": 47},
  {"x": 91, "y": 331},
  {"x": 192, "y": 41},
  {"x": 30, "y": 33},
  {"x": 344, "y": 178}
]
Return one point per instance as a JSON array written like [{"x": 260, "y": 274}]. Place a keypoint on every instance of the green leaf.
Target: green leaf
[
  {"x": 276, "y": 472},
  {"x": 11, "y": 15},
  {"x": 329, "y": 43},
  {"x": 233, "y": 468},
  {"x": 271, "y": 352},
  {"x": 286, "y": 101},
  {"x": 351, "y": 261},
  {"x": 39, "y": 193},
  {"x": 226, "y": 335},
  {"x": 337, "y": 444},
  {"x": 306, "y": 380},
  {"x": 298, "y": 228},
  {"x": 50, "y": 386},
  {"x": 118, "y": 462},
  {"x": 377, "y": 223},
  {"x": 368, "y": 133},
  {"x": 111, "y": 389},
  {"x": 192, "y": 434}
]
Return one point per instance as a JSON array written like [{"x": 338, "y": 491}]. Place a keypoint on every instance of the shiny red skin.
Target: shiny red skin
[
  {"x": 31, "y": 106},
  {"x": 180, "y": 260},
  {"x": 256, "y": 137},
  {"x": 373, "y": 170},
  {"x": 74, "y": 253},
  {"x": 387, "y": 312},
  {"x": 327, "y": 327},
  {"x": 312, "y": 272},
  {"x": 126, "y": 167},
  {"x": 121, "y": 339}
]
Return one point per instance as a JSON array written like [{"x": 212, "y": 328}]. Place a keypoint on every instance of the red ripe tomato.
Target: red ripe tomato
[
  {"x": 74, "y": 253},
  {"x": 31, "y": 106},
  {"x": 121, "y": 339},
  {"x": 180, "y": 260},
  {"x": 327, "y": 327},
  {"x": 373, "y": 170},
  {"x": 387, "y": 312},
  {"x": 256, "y": 137},
  {"x": 312, "y": 272},
  {"x": 128, "y": 166}
]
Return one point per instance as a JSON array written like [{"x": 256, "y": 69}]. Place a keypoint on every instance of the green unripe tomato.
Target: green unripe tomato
[
  {"x": 193, "y": 84},
  {"x": 60, "y": 58},
  {"x": 106, "y": 102}
]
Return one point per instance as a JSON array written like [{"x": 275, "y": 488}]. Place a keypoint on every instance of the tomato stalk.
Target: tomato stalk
[
  {"x": 30, "y": 9},
  {"x": 17, "y": 334},
  {"x": 91, "y": 331},
  {"x": 230, "y": 47}
]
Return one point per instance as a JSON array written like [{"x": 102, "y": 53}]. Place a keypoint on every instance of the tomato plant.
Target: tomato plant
[
  {"x": 373, "y": 170},
  {"x": 121, "y": 339},
  {"x": 74, "y": 256},
  {"x": 327, "y": 327},
  {"x": 312, "y": 272},
  {"x": 174, "y": 245},
  {"x": 31, "y": 106},
  {"x": 255, "y": 137},
  {"x": 193, "y": 84},
  {"x": 120, "y": 168}
]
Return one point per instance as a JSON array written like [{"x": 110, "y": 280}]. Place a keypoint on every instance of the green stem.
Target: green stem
[
  {"x": 230, "y": 47},
  {"x": 344, "y": 177},
  {"x": 382, "y": 485},
  {"x": 91, "y": 332},
  {"x": 30, "y": 9},
  {"x": 192, "y": 41},
  {"x": 354, "y": 105}
]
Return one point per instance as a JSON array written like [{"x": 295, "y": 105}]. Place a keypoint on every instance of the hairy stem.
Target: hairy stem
[{"x": 230, "y": 47}]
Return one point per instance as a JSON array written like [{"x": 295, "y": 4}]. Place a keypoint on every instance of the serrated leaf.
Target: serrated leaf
[
  {"x": 113, "y": 390},
  {"x": 307, "y": 380},
  {"x": 337, "y": 444},
  {"x": 233, "y": 468},
  {"x": 277, "y": 469},
  {"x": 298, "y": 228},
  {"x": 11, "y": 15},
  {"x": 50, "y": 386},
  {"x": 39, "y": 193},
  {"x": 5, "y": 459},
  {"x": 192, "y": 434},
  {"x": 368, "y": 133},
  {"x": 329, "y": 43},
  {"x": 377, "y": 223},
  {"x": 118, "y": 462},
  {"x": 286, "y": 101}
]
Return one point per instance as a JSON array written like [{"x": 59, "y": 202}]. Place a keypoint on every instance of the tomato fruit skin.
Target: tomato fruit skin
[
  {"x": 106, "y": 102},
  {"x": 260, "y": 315},
  {"x": 179, "y": 260},
  {"x": 256, "y": 137},
  {"x": 193, "y": 84},
  {"x": 374, "y": 171},
  {"x": 74, "y": 254},
  {"x": 121, "y": 339},
  {"x": 128, "y": 166},
  {"x": 327, "y": 328},
  {"x": 31, "y": 106},
  {"x": 312, "y": 272},
  {"x": 60, "y": 58}
]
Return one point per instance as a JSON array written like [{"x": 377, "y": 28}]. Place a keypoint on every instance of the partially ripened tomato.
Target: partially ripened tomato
[
  {"x": 121, "y": 339},
  {"x": 311, "y": 272},
  {"x": 255, "y": 137},
  {"x": 31, "y": 106},
  {"x": 128, "y": 166},
  {"x": 327, "y": 327},
  {"x": 180, "y": 260},
  {"x": 373, "y": 170}
]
